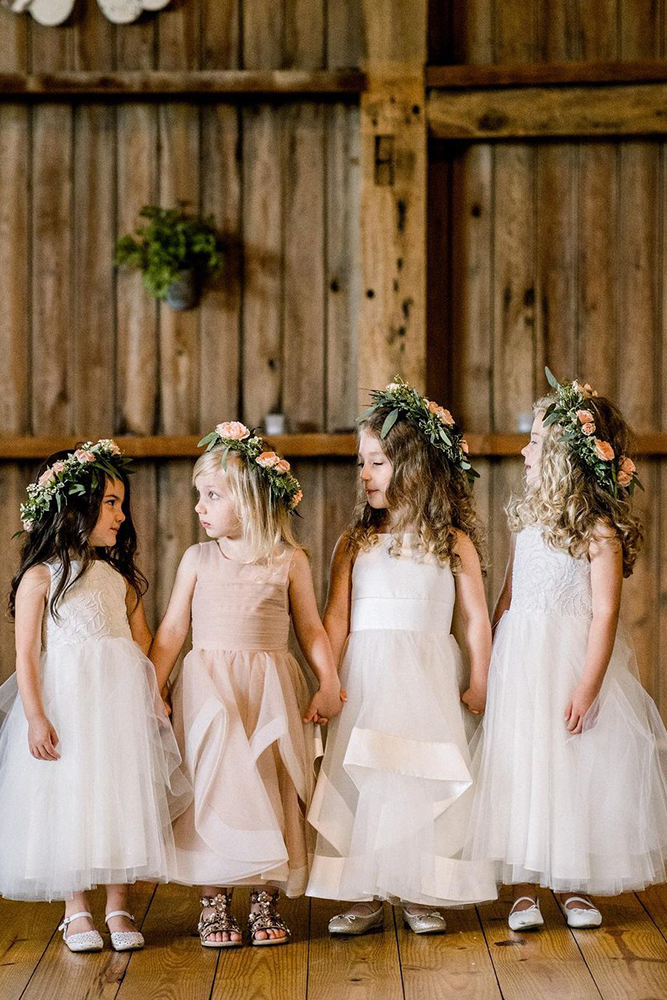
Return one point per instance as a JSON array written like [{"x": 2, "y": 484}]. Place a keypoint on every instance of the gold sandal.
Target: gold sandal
[
  {"x": 220, "y": 920},
  {"x": 266, "y": 918}
]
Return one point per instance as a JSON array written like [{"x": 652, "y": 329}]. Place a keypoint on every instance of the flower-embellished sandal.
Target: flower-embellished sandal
[
  {"x": 124, "y": 940},
  {"x": 266, "y": 918},
  {"x": 84, "y": 940},
  {"x": 220, "y": 921}
]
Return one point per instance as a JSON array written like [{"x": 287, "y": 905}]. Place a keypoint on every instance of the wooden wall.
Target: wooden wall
[
  {"x": 553, "y": 252},
  {"x": 86, "y": 351}
]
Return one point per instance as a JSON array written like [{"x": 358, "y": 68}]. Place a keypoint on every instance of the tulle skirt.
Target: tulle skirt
[
  {"x": 393, "y": 797},
  {"x": 238, "y": 720},
  {"x": 584, "y": 813},
  {"x": 102, "y": 813}
]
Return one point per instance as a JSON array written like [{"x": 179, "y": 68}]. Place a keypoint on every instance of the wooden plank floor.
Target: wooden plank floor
[{"x": 478, "y": 959}]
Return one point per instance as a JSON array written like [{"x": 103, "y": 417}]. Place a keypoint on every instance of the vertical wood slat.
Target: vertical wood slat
[
  {"x": 346, "y": 34},
  {"x": 220, "y": 34},
  {"x": 178, "y": 37},
  {"x": 94, "y": 39},
  {"x": 13, "y": 43},
  {"x": 263, "y": 32},
  {"x": 262, "y": 229}
]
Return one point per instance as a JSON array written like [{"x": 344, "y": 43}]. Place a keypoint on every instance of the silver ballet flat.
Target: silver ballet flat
[
  {"x": 578, "y": 916},
  {"x": 124, "y": 940},
  {"x": 427, "y": 922},
  {"x": 85, "y": 940},
  {"x": 353, "y": 923},
  {"x": 525, "y": 920}
]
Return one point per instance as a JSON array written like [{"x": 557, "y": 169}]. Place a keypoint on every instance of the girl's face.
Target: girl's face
[
  {"x": 110, "y": 517},
  {"x": 214, "y": 508},
  {"x": 375, "y": 469},
  {"x": 532, "y": 453}
]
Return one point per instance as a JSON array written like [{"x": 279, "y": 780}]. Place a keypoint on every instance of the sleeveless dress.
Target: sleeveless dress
[
  {"x": 393, "y": 797},
  {"x": 584, "y": 813},
  {"x": 238, "y": 707},
  {"x": 102, "y": 813}
]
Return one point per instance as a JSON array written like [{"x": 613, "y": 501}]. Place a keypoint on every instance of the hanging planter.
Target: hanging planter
[{"x": 174, "y": 251}]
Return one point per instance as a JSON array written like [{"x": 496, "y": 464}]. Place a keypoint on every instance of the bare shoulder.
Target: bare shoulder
[
  {"x": 35, "y": 582},
  {"x": 341, "y": 557},
  {"x": 605, "y": 539},
  {"x": 464, "y": 546},
  {"x": 299, "y": 563}
]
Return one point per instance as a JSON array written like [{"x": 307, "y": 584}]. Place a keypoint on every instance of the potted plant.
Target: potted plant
[{"x": 175, "y": 251}]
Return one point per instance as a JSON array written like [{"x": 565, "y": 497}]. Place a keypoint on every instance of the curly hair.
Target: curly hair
[
  {"x": 425, "y": 490},
  {"x": 568, "y": 502}
]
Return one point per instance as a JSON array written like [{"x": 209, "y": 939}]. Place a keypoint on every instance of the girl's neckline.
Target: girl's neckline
[{"x": 239, "y": 562}]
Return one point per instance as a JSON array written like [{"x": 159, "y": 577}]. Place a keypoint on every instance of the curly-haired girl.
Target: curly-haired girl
[
  {"x": 394, "y": 794},
  {"x": 572, "y": 791}
]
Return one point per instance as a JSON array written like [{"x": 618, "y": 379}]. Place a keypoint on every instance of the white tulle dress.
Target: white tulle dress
[
  {"x": 393, "y": 798},
  {"x": 102, "y": 813},
  {"x": 584, "y": 813}
]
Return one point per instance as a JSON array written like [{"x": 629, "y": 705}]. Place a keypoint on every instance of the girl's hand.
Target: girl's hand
[
  {"x": 474, "y": 700},
  {"x": 42, "y": 739},
  {"x": 326, "y": 703},
  {"x": 578, "y": 706}
]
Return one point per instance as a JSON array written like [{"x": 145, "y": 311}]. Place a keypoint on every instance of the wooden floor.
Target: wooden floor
[{"x": 478, "y": 959}]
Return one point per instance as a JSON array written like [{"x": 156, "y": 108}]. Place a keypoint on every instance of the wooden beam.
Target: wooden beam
[
  {"x": 181, "y": 83},
  {"x": 293, "y": 445},
  {"x": 546, "y": 74},
  {"x": 542, "y": 112}
]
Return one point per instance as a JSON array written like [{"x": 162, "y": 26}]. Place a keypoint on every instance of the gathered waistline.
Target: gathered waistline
[{"x": 216, "y": 648}]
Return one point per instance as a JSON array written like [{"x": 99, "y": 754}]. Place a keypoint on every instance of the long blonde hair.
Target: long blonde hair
[
  {"x": 567, "y": 501},
  {"x": 265, "y": 520},
  {"x": 425, "y": 489}
]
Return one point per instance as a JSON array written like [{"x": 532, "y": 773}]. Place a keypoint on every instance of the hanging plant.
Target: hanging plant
[{"x": 175, "y": 251}]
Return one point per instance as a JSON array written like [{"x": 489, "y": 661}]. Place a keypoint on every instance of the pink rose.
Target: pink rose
[
  {"x": 27, "y": 525},
  {"x": 392, "y": 386},
  {"x": 440, "y": 412},
  {"x": 604, "y": 450},
  {"x": 297, "y": 498},
  {"x": 46, "y": 477},
  {"x": 588, "y": 428},
  {"x": 268, "y": 459},
  {"x": 84, "y": 456},
  {"x": 109, "y": 445},
  {"x": 627, "y": 465},
  {"x": 464, "y": 446},
  {"x": 57, "y": 466},
  {"x": 282, "y": 466},
  {"x": 624, "y": 479},
  {"x": 585, "y": 416},
  {"x": 233, "y": 429}
]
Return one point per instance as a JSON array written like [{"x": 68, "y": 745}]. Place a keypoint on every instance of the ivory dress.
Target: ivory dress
[
  {"x": 393, "y": 797},
  {"x": 584, "y": 813},
  {"x": 238, "y": 707},
  {"x": 102, "y": 813}
]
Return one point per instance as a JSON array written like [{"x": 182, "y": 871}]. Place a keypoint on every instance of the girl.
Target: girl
[
  {"x": 392, "y": 800},
  {"x": 572, "y": 791},
  {"x": 86, "y": 752},
  {"x": 239, "y": 700}
]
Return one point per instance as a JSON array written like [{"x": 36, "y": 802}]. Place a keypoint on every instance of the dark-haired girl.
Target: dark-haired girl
[{"x": 88, "y": 762}]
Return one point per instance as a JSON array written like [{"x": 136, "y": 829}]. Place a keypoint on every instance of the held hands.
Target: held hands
[
  {"x": 578, "y": 705},
  {"x": 474, "y": 700},
  {"x": 326, "y": 702},
  {"x": 42, "y": 739}
]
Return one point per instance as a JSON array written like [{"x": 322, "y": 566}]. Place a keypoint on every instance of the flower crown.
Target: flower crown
[
  {"x": 435, "y": 423},
  {"x": 74, "y": 475},
  {"x": 570, "y": 412},
  {"x": 235, "y": 436}
]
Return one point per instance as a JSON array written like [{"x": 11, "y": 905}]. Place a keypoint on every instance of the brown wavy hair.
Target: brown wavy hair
[
  {"x": 568, "y": 502},
  {"x": 427, "y": 490}
]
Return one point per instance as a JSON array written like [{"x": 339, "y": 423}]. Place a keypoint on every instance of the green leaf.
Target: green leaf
[
  {"x": 224, "y": 457},
  {"x": 367, "y": 413},
  {"x": 207, "y": 439},
  {"x": 551, "y": 378},
  {"x": 552, "y": 418},
  {"x": 389, "y": 422}
]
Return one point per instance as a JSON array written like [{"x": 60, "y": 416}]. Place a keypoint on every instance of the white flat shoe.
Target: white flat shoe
[
  {"x": 356, "y": 923},
  {"x": 86, "y": 940},
  {"x": 578, "y": 916},
  {"x": 525, "y": 920},
  {"x": 124, "y": 940}
]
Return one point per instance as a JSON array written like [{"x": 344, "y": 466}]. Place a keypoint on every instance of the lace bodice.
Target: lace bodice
[
  {"x": 93, "y": 608},
  {"x": 548, "y": 580}
]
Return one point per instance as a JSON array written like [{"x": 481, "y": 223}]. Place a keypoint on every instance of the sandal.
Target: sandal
[
  {"x": 84, "y": 940},
  {"x": 220, "y": 920},
  {"x": 266, "y": 918}
]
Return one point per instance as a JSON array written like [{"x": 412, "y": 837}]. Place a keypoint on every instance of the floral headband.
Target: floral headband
[
  {"x": 570, "y": 412},
  {"x": 435, "y": 423},
  {"x": 235, "y": 436},
  {"x": 74, "y": 475}
]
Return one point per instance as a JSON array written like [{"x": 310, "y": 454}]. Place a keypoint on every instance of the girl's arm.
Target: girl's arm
[
  {"x": 313, "y": 640},
  {"x": 606, "y": 559},
  {"x": 505, "y": 596},
  {"x": 31, "y": 598},
  {"x": 472, "y": 602},
  {"x": 136, "y": 615},
  {"x": 173, "y": 629},
  {"x": 337, "y": 609}
]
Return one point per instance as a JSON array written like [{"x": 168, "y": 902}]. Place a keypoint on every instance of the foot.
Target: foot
[
  {"x": 216, "y": 924},
  {"x": 424, "y": 919},
  {"x": 525, "y": 914},
  {"x": 118, "y": 924},
  {"x": 81, "y": 924},
  {"x": 359, "y": 919},
  {"x": 579, "y": 911},
  {"x": 264, "y": 921}
]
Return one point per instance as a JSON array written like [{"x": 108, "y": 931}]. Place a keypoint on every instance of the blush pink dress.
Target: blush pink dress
[{"x": 238, "y": 706}]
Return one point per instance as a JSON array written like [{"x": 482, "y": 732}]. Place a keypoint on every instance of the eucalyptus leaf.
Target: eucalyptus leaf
[
  {"x": 551, "y": 378},
  {"x": 389, "y": 422}
]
